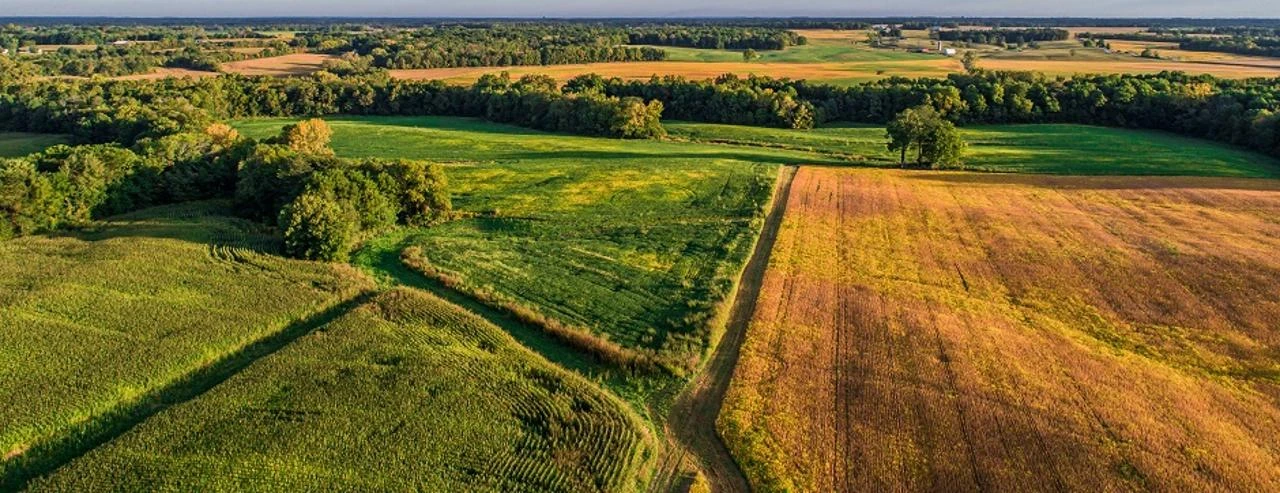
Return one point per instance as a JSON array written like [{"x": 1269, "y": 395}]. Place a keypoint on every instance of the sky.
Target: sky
[{"x": 639, "y": 8}]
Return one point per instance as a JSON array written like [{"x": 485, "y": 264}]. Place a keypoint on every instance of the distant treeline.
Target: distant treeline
[
  {"x": 1242, "y": 41},
  {"x": 99, "y": 111},
  {"x": 476, "y": 47},
  {"x": 306, "y": 23},
  {"x": 720, "y": 38},
  {"x": 1002, "y": 37},
  {"x": 1240, "y": 112}
]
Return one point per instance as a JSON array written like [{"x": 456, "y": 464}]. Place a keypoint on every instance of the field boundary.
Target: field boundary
[
  {"x": 45, "y": 457},
  {"x": 693, "y": 418}
]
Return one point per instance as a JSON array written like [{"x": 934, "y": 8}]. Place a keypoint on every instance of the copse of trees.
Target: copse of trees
[
  {"x": 716, "y": 37},
  {"x": 323, "y": 205},
  {"x": 67, "y": 186},
  {"x": 727, "y": 99},
  {"x": 1004, "y": 37},
  {"x": 921, "y": 130}
]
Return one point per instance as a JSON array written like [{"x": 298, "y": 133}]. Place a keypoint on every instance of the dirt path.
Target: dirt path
[{"x": 693, "y": 417}]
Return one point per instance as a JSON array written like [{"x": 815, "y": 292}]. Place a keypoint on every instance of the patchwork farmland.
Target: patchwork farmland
[{"x": 954, "y": 331}]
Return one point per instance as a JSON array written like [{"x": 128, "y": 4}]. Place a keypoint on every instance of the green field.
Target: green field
[
  {"x": 103, "y": 319},
  {"x": 17, "y": 144},
  {"x": 404, "y": 393},
  {"x": 635, "y": 242},
  {"x": 1043, "y": 149}
]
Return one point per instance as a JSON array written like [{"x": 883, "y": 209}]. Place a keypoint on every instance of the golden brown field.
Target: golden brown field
[
  {"x": 701, "y": 70},
  {"x": 1130, "y": 66},
  {"x": 839, "y": 71},
  {"x": 955, "y": 331},
  {"x": 295, "y": 64}
]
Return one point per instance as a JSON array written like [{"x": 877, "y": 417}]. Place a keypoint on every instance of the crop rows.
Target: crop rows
[
  {"x": 977, "y": 332},
  {"x": 404, "y": 392},
  {"x": 99, "y": 320}
]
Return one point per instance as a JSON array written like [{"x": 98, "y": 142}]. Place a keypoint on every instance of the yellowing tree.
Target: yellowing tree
[{"x": 308, "y": 137}]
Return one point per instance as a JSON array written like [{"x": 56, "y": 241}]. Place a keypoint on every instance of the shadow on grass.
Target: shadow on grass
[{"x": 46, "y": 457}]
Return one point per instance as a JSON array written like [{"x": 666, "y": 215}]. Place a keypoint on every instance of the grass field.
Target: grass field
[
  {"x": 1050, "y": 149},
  {"x": 960, "y": 331},
  {"x": 100, "y": 320},
  {"x": 634, "y": 242},
  {"x": 404, "y": 393},
  {"x": 18, "y": 144}
]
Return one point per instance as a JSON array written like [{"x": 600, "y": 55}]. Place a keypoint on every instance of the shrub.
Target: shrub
[{"x": 316, "y": 228}]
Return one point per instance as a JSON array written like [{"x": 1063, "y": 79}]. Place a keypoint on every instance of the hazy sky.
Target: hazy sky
[{"x": 598, "y": 8}]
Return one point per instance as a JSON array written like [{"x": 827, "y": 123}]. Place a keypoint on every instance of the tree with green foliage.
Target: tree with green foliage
[
  {"x": 317, "y": 228},
  {"x": 935, "y": 140},
  {"x": 750, "y": 55},
  {"x": 970, "y": 61}
]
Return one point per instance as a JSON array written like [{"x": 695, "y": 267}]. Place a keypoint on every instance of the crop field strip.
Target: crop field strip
[
  {"x": 404, "y": 392},
  {"x": 635, "y": 243},
  {"x": 985, "y": 332},
  {"x": 107, "y": 320}
]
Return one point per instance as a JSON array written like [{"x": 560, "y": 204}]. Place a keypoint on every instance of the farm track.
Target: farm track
[
  {"x": 47, "y": 457},
  {"x": 692, "y": 422}
]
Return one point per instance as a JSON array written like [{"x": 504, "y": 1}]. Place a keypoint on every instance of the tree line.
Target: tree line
[
  {"x": 458, "y": 46},
  {"x": 1004, "y": 37},
  {"x": 716, "y": 37},
  {"x": 1239, "y": 112}
]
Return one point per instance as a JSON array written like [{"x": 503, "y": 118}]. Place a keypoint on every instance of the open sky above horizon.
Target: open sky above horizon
[{"x": 631, "y": 8}]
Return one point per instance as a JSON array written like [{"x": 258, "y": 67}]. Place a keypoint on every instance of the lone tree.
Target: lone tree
[
  {"x": 970, "y": 61},
  {"x": 922, "y": 130},
  {"x": 750, "y": 55}
]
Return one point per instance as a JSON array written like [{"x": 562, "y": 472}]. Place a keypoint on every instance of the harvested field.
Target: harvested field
[
  {"x": 853, "y": 71},
  {"x": 166, "y": 72},
  {"x": 278, "y": 66},
  {"x": 977, "y": 332},
  {"x": 843, "y": 72},
  {"x": 1129, "y": 66}
]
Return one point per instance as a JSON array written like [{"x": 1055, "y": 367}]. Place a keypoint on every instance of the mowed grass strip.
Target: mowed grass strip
[
  {"x": 635, "y": 243},
  {"x": 18, "y": 144},
  {"x": 1043, "y": 149},
  {"x": 1030, "y": 333},
  {"x": 404, "y": 393},
  {"x": 93, "y": 321}
]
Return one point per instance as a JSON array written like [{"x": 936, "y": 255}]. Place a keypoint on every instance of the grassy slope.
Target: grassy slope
[
  {"x": 633, "y": 240},
  {"x": 406, "y": 392},
  {"x": 17, "y": 144},
  {"x": 1050, "y": 149},
  {"x": 97, "y": 320}
]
